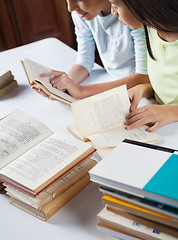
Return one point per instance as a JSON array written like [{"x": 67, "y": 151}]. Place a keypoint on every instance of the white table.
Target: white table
[{"x": 77, "y": 220}]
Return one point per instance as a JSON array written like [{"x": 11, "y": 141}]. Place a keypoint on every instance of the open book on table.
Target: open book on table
[
  {"x": 33, "y": 71},
  {"x": 32, "y": 156},
  {"x": 100, "y": 119}
]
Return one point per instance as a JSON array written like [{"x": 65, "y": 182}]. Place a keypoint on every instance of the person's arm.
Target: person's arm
[
  {"x": 137, "y": 78},
  {"x": 130, "y": 81},
  {"x": 78, "y": 73},
  {"x": 63, "y": 82},
  {"x": 85, "y": 48}
]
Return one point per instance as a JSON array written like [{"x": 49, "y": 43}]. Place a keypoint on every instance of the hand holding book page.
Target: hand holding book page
[
  {"x": 101, "y": 118},
  {"x": 32, "y": 156},
  {"x": 33, "y": 71}
]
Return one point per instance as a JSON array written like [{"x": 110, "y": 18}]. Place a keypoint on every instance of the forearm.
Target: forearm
[
  {"x": 130, "y": 81},
  {"x": 174, "y": 113},
  {"x": 147, "y": 90},
  {"x": 134, "y": 79},
  {"x": 78, "y": 73}
]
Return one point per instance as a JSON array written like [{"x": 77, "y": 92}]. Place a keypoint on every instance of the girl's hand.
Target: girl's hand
[
  {"x": 40, "y": 91},
  {"x": 61, "y": 81},
  {"x": 137, "y": 92},
  {"x": 157, "y": 115}
]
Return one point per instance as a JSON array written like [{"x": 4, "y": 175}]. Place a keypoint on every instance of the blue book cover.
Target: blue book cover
[{"x": 142, "y": 171}]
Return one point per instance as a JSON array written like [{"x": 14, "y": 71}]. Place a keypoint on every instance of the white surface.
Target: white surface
[{"x": 77, "y": 220}]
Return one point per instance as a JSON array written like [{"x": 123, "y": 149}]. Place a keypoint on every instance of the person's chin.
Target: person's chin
[{"x": 88, "y": 17}]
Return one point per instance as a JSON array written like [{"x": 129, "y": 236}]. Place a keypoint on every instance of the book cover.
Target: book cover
[{"x": 143, "y": 171}]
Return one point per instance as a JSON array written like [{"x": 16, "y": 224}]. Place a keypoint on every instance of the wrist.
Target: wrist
[{"x": 147, "y": 90}]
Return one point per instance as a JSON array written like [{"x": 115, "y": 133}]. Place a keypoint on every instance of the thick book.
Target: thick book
[
  {"x": 132, "y": 227},
  {"x": 7, "y": 82},
  {"x": 8, "y": 88},
  {"x": 147, "y": 222},
  {"x": 55, "y": 189},
  {"x": 33, "y": 71},
  {"x": 32, "y": 156},
  {"x": 142, "y": 171},
  {"x": 147, "y": 204},
  {"x": 6, "y": 77},
  {"x": 56, "y": 204},
  {"x": 131, "y": 208},
  {"x": 100, "y": 119},
  {"x": 115, "y": 232}
]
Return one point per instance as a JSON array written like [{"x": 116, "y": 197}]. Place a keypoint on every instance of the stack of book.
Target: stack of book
[
  {"x": 41, "y": 170},
  {"x": 7, "y": 82},
  {"x": 139, "y": 183}
]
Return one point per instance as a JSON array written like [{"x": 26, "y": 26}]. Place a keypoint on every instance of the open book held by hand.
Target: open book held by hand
[
  {"x": 33, "y": 71},
  {"x": 100, "y": 118}
]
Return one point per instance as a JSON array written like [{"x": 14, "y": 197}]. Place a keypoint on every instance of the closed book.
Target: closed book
[
  {"x": 115, "y": 232},
  {"x": 4, "y": 75},
  {"x": 141, "y": 171},
  {"x": 150, "y": 223},
  {"x": 8, "y": 88},
  {"x": 141, "y": 202},
  {"x": 131, "y": 227},
  {"x": 52, "y": 207}
]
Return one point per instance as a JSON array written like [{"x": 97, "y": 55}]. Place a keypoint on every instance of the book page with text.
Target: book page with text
[
  {"x": 18, "y": 133},
  {"x": 52, "y": 156},
  {"x": 115, "y": 136},
  {"x": 101, "y": 112}
]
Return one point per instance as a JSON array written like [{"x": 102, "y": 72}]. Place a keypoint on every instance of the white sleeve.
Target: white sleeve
[
  {"x": 140, "y": 50},
  {"x": 86, "y": 43}
]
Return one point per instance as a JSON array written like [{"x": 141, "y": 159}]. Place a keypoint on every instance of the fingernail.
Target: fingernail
[{"x": 128, "y": 127}]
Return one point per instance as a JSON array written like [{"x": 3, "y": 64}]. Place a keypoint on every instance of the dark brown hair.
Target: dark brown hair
[{"x": 159, "y": 14}]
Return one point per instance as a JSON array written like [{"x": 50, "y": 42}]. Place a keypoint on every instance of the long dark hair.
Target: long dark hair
[{"x": 159, "y": 14}]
